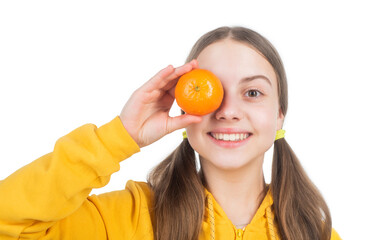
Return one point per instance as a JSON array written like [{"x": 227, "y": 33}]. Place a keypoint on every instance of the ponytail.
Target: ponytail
[
  {"x": 300, "y": 210},
  {"x": 179, "y": 198}
]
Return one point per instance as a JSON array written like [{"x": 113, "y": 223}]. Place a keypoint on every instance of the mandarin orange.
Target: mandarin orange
[{"x": 199, "y": 92}]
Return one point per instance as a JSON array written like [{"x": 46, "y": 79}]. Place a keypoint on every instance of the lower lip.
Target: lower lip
[{"x": 229, "y": 144}]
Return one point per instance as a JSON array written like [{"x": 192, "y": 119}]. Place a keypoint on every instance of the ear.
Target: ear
[{"x": 280, "y": 120}]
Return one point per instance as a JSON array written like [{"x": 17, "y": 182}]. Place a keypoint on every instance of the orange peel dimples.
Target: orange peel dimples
[{"x": 199, "y": 92}]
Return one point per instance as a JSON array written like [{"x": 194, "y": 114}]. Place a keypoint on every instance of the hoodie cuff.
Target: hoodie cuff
[{"x": 117, "y": 140}]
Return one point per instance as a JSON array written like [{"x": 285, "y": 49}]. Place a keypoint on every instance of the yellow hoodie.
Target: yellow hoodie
[{"x": 49, "y": 198}]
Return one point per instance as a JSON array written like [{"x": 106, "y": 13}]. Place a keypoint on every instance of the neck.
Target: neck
[{"x": 239, "y": 192}]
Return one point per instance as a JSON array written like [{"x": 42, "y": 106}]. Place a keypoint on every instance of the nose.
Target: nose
[{"x": 229, "y": 109}]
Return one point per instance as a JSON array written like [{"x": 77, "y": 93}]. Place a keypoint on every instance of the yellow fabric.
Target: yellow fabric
[
  {"x": 280, "y": 134},
  {"x": 49, "y": 198}
]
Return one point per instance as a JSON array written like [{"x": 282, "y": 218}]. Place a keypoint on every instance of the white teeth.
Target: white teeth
[
  {"x": 230, "y": 137},
  {"x": 226, "y": 137}
]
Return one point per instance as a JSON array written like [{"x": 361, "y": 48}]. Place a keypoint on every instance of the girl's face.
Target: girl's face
[{"x": 244, "y": 127}]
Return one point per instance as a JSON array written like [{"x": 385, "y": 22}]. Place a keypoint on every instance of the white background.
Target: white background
[{"x": 64, "y": 64}]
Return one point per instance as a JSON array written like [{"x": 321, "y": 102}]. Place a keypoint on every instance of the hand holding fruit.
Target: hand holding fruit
[{"x": 145, "y": 115}]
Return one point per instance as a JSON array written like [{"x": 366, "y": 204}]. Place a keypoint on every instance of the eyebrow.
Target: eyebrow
[{"x": 248, "y": 79}]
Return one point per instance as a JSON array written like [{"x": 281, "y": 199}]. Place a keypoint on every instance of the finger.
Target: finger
[
  {"x": 168, "y": 77},
  {"x": 153, "y": 83},
  {"x": 171, "y": 86},
  {"x": 174, "y": 77},
  {"x": 179, "y": 71},
  {"x": 171, "y": 92},
  {"x": 182, "y": 121},
  {"x": 194, "y": 63}
]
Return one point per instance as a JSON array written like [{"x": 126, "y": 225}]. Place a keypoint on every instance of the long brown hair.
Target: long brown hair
[{"x": 179, "y": 201}]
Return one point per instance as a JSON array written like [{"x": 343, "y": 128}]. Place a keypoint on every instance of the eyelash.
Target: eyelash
[{"x": 254, "y": 90}]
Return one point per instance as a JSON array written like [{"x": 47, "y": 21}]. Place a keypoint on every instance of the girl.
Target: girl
[{"x": 226, "y": 199}]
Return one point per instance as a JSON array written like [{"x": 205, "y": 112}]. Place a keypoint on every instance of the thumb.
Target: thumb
[{"x": 183, "y": 121}]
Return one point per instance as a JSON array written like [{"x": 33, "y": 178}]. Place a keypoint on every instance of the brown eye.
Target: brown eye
[{"x": 253, "y": 93}]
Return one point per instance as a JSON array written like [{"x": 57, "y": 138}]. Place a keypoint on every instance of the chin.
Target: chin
[{"x": 229, "y": 164}]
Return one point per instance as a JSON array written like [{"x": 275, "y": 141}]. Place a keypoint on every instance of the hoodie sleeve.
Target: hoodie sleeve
[{"x": 39, "y": 195}]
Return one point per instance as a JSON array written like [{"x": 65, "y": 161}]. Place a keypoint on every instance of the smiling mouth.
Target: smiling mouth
[{"x": 231, "y": 137}]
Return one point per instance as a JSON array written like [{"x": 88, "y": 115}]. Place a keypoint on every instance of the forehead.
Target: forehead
[{"x": 231, "y": 60}]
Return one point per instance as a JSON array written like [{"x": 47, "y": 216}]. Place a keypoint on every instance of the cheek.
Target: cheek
[
  {"x": 195, "y": 129},
  {"x": 264, "y": 120},
  {"x": 194, "y": 134}
]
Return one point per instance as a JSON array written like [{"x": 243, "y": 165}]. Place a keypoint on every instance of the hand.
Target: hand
[{"x": 145, "y": 115}]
